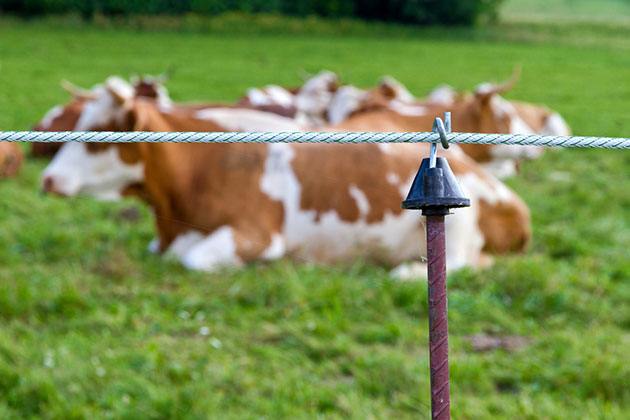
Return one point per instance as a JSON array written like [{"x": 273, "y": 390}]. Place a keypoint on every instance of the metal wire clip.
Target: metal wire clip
[{"x": 442, "y": 128}]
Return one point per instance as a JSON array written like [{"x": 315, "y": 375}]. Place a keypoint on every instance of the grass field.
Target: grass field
[
  {"x": 600, "y": 11},
  {"x": 92, "y": 325}
]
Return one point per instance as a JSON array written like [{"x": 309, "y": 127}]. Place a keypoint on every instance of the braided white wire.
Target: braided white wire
[{"x": 312, "y": 137}]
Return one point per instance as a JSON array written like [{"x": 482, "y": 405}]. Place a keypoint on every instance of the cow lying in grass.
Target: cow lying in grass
[
  {"x": 10, "y": 159},
  {"x": 485, "y": 111},
  {"x": 228, "y": 204},
  {"x": 305, "y": 105}
]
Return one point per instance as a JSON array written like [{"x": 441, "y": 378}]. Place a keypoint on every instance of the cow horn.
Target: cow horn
[
  {"x": 511, "y": 82},
  {"x": 76, "y": 91},
  {"x": 166, "y": 74},
  {"x": 488, "y": 89}
]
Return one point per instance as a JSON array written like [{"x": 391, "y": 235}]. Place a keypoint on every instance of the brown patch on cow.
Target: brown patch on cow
[
  {"x": 65, "y": 121},
  {"x": 505, "y": 225},
  {"x": 341, "y": 167},
  {"x": 11, "y": 158},
  {"x": 481, "y": 153}
]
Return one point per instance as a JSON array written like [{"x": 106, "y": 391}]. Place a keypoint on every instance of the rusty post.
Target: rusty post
[
  {"x": 438, "y": 319},
  {"x": 435, "y": 192}
]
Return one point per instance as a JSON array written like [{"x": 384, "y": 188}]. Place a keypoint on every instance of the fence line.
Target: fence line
[{"x": 312, "y": 137}]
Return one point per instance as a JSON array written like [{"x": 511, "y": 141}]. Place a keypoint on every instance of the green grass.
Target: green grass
[
  {"x": 92, "y": 325},
  {"x": 601, "y": 11}
]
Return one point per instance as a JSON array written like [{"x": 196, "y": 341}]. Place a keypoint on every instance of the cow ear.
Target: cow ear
[
  {"x": 393, "y": 89},
  {"x": 485, "y": 91},
  {"x": 120, "y": 90},
  {"x": 387, "y": 89}
]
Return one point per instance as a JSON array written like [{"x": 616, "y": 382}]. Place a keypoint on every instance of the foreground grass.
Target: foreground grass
[{"x": 92, "y": 325}]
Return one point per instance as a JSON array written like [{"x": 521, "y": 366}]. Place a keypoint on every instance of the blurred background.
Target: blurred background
[{"x": 92, "y": 325}]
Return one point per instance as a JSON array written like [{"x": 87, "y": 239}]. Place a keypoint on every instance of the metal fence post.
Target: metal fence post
[{"x": 435, "y": 192}]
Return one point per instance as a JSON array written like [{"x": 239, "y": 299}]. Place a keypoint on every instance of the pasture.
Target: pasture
[{"x": 92, "y": 325}]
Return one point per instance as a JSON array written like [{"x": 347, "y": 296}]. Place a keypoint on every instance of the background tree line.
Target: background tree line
[{"x": 421, "y": 12}]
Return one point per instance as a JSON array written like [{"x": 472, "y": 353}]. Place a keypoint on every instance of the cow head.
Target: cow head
[
  {"x": 389, "y": 94},
  {"x": 105, "y": 171},
  {"x": 152, "y": 87},
  {"x": 486, "y": 111},
  {"x": 314, "y": 97}
]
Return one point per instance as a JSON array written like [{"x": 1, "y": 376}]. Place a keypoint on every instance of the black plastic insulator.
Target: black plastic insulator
[{"x": 435, "y": 190}]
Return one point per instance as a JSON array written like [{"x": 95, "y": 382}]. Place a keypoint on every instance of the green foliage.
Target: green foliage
[
  {"x": 94, "y": 326},
  {"x": 448, "y": 12}
]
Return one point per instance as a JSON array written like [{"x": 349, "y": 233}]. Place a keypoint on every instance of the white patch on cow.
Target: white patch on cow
[
  {"x": 106, "y": 107},
  {"x": 97, "y": 112},
  {"x": 182, "y": 244},
  {"x": 485, "y": 88},
  {"x": 51, "y": 116},
  {"x": 347, "y": 100},
  {"x": 518, "y": 126},
  {"x": 361, "y": 199},
  {"x": 393, "y": 178},
  {"x": 463, "y": 245},
  {"x": 501, "y": 168},
  {"x": 215, "y": 251},
  {"x": 465, "y": 239},
  {"x": 313, "y": 99},
  {"x": 407, "y": 109},
  {"x": 276, "y": 249},
  {"x": 279, "y": 95},
  {"x": 120, "y": 87},
  {"x": 488, "y": 189},
  {"x": 396, "y": 238},
  {"x": 257, "y": 97},
  {"x": 235, "y": 119},
  {"x": 555, "y": 125},
  {"x": 74, "y": 170},
  {"x": 385, "y": 147},
  {"x": 443, "y": 95},
  {"x": 410, "y": 271},
  {"x": 273, "y": 182}
]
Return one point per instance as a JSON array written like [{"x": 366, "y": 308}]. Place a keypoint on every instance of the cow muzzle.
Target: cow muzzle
[{"x": 53, "y": 185}]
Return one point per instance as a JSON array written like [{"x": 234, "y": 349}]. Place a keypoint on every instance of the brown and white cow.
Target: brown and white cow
[
  {"x": 219, "y": 205},
  {"x": 10, "y": 159},
  {"x": 115, "y": 107},
  {"x": 65, "y": 117},
  {"x": 503, "y": 217},
  {"x": 483, "y": 112}
]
